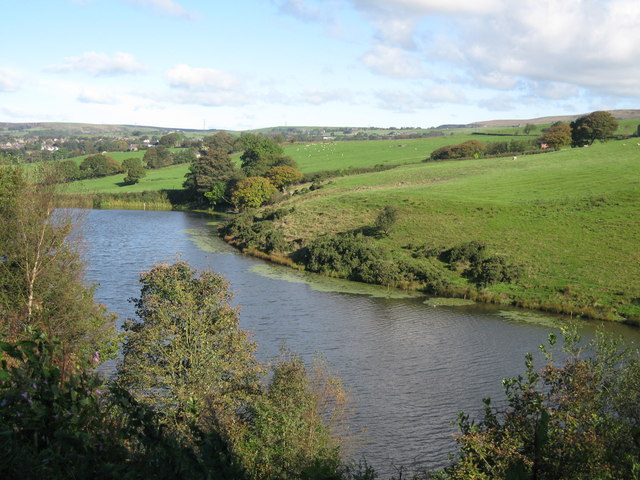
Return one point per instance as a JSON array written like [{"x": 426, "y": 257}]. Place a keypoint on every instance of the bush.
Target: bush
[
  {"x": 577, "y": 418},
  {"x": 490, "y": 270},
  {"x": 467, "y": 149}
]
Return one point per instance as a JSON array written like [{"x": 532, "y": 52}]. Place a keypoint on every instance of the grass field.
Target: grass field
[
  {"x": 168, "y": 178},
  {"x": 570, "y": 218},
  {"x": 311, "y": 157}
]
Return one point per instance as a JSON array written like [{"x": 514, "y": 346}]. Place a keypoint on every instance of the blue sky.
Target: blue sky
[{"x": 247, "y": 64}]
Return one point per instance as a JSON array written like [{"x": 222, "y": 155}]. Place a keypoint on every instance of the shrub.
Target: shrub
[
  {"x": 577, "y": 418},
  {"x": 467, "y": 149}
]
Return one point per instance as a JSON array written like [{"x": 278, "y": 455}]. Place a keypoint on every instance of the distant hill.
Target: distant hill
[
  {"x": 62, "y": 129},
  {"x": 619, "y": 114},
  {"x": 79, "y": 129}
]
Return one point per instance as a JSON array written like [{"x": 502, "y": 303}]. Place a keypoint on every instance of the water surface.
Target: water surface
[{"x": 410, "y": 366}]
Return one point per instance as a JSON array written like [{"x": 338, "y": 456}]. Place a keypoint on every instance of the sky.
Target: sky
[{"x": 246, "y": 64}]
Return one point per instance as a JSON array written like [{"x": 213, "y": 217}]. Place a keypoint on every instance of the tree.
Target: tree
[
  {"x": 528, "y": 128},
  {"x": 213, "y": 167},
  {"x": 386, "y": 219},
  {"x": 158, "y": 157},
  {"x": 134, "y": 175},
  {"x": 186, "y": 155},
  {"x": 598, "y": 125},
  {"x": 220, "y": 141},
  {"x": 99, "y": 165},
  {"x": 260, "y": 154},
  {"x": 132, "y": 162},
  {"x": 282, "y": 176},
  {"x": 185, "y": 355},
  {"x": 41, "y": 276},
  {"x": 171, "y": 140},
  {"x": 135, "y": 170},
  {"x": 252, "y": 192},
  {"x": 68, "y": 170},
  {"x": 556, "y": 136}
]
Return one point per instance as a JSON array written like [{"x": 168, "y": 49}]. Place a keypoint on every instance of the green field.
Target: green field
[
  {"x": 570, "y": 218},
  {"x": 311, "y": 157},
  {"x": 168, "y": 178}
]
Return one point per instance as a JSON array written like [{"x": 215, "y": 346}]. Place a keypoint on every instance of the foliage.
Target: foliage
[
  {"x": 288, "y": 438},
  {"x": 184, "y": 155},
  {"x": 386, "y": 219},
  {"x": 598, "y": 125},
  {"x": 41, "y": 276},
  {"x": 99, "y": 165},
  {"x": 186, "y": 356},
  {"x": 171, "y": 140},
  {"x": 134, "y": 175},
  {"x": 252, "y": 192},
  {"x": 282, "y": 176},
  {"x": 158, "y": 157},
  {"x": 68, "y": 170},
  {"x": 576, "y": 418},
  {"x": 246, "y": 232},
  {"x": 480, "y": 267},
  {"x": 466, "y": 149},
  {"x": 510, "y": 147},
  {"x": 213, "y": 167},
  {"x": 556, "y": 136},
  {"x": 58, "y": 426},
  {"x": 492, "y": 269},
  {"x": 260, "y": 154},
  {"x": 220, "y": 141},
  {"x": 134, "y": 168}
]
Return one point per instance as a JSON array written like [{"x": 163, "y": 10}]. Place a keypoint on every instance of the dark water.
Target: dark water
[{"x": 410, "y": 367}]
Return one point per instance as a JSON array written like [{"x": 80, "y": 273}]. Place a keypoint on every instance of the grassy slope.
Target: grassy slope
[{"x": 571, "y": 218}]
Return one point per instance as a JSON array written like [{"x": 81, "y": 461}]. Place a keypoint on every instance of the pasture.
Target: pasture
[{"x": 570, "y": 218}]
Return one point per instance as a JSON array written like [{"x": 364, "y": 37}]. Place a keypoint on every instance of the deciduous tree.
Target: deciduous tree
[
  {"x": 185, "y": 354},
  {"x": 252, "y": 192},
  {"x": 41, "y": 276},
  {"x": 283, "y": 176},
  {"x": 556, "y": 136},
  {"x": 158, "y": 157},
  {"x": 598, "y": 125}
]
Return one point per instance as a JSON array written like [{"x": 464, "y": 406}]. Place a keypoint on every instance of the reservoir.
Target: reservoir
[{"x": 409, "y": 366}]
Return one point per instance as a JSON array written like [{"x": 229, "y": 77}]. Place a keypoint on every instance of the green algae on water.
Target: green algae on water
[
  {"x": 327, "y": 284},
  {"x": 449, "y": 302}
]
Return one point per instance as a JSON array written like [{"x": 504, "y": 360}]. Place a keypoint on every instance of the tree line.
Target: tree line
[{"x": 581, "y": 132}]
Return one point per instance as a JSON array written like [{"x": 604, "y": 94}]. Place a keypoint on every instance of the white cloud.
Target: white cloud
[
  {"x": 553, "y": 90},
  {"x": 393, "y": 62},
  {"x": 10, "y": 81},
  {"x": 165, "y": 7},
  {"x": 577, "y": 43},
  {"x": 201, "y": 79},
  {"x": 100, "y": 64},
  {"x": 88, "y": 95}
]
